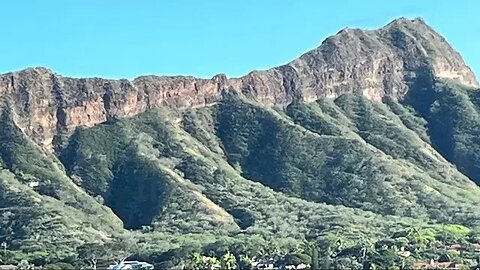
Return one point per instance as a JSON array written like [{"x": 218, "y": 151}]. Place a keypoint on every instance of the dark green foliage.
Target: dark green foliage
[
  {"x": 315, "y": 260},
  {"x": 51, "y": 215},
  {"x": 79, "y": 156},
  {"x": 245, "y": 218},
  {"x": 353, "y": 152},
  {"x": 110, "y": 161},
  {"x": 27, "y": 160},
  {"x": 137, "y": 192},
  {"x": 289, "y": 159},
  {"x": 452, "y": 112},
  {"x": 409, "y": 117},
  {"x": 59, "y": 266},
  {"x": 383, "y": 130},
  {"x": 295, "y": 259}
]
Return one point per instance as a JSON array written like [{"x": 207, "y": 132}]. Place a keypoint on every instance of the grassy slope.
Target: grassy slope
[
  {"x": 352, "y": 152},
  {"x": 193, "y": 188},
  {"x": 238, "y": 170},
  {"x": 55, "y": 215}
]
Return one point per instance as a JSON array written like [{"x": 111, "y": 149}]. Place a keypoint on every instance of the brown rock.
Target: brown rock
[{"x": 378, "y": 63}]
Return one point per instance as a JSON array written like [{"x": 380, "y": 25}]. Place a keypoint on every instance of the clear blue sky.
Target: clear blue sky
[{"x": 124, "y": 39}]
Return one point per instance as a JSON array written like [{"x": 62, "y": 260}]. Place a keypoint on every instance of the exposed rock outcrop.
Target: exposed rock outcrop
[{"x": 378, "y": 63}]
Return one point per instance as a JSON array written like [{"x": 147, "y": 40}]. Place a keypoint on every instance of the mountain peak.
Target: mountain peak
[
  {"x": 416, "y": 36},
  {"x": 37, "y": 70},
  {"x": 406, "y": 21},
  {"x": 381, "y": 62}
]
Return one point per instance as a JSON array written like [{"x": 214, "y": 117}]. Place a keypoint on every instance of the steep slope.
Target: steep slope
[
  {"x": 42, "y": 209},
  {"x": 452, "y": 113},
  {"x": 350, "y": 152},
  {"x": 373, "y": 129}
]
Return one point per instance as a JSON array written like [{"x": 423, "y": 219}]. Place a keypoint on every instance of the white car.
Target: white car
[{"x": 131, "y": 265}]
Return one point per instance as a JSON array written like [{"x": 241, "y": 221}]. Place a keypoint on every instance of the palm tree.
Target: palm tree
[
  {"x": 4, "y": 245},
  {"x": 244, "y": 262},
  {"x": 228, "y": 261},
  {"x": 310, "y": 248},
  {"x": 314, "y": 264},
  {"x": 195, "y": 261},
  {"x": 210, "y": 262},
  {"x": 261, "y": 252},
  {"x": 367, "y": 249}
]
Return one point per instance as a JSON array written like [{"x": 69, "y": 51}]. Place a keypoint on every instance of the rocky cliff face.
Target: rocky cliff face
[{"x": 378, "y": 63}]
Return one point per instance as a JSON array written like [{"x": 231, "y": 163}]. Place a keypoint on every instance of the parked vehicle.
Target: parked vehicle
[{"x": 131, "y": 265}]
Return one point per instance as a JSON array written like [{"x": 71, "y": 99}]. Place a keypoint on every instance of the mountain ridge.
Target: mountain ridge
[{"x": 376, "y": 62}]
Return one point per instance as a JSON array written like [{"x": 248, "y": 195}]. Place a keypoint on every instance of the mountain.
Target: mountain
[{"x": 369, "y": 133}]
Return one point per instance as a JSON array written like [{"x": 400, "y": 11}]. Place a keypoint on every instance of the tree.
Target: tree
[
  {"x": 444, "y": 258},
  {"x": 366, "y": 251},
  {"x": 310, "y": 248},
  {"x": 386, "y": 258},
  {"x": 315, "y": 265},
  {"x": 228, "y": 261},
  {"x": 244, "y": 262},
  {"x": 91, "y": 253},
  {"x": 210, "y": 263},
  {"x": 4, "y": 246},
  {"x": 195, "y": 261},
  {"x": 122, "y": 247}
]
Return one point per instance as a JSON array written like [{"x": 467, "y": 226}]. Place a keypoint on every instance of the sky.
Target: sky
[{"x": 125, "y": 39}]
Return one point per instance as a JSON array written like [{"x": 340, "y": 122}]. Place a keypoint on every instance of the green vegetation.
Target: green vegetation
[
  {"x": 339, "y": 183},
  {"x": 453, "y": 115},
  {"x": 43, "y": 214},
  {"x": 350, "y": 152}
]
